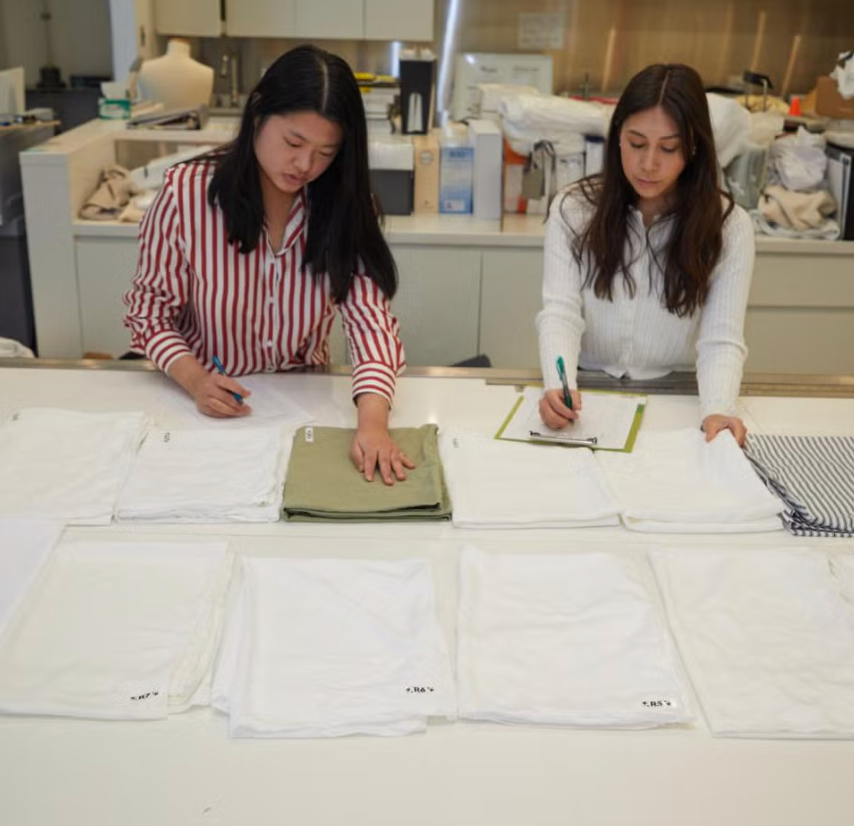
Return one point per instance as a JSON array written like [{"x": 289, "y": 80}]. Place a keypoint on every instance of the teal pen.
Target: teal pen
[
  {"x": 221, "y": 370},
  {"x": 561, "y": 371}
]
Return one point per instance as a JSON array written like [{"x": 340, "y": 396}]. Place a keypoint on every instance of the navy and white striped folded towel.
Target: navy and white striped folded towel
[{"x": 814, "y": 476}]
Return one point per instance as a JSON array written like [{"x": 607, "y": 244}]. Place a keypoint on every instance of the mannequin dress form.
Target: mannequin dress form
[{"x": 175, "y": 79}]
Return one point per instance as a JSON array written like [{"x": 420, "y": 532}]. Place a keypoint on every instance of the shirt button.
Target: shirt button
[
  {"x": 271, "y": 368},
  {"x": 271, "y": 300},
  {"x": 270, "y": 342}
]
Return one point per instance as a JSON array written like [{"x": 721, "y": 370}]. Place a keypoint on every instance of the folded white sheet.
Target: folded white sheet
[
  {"x": 324, "y": 648},
  {"x": 64, "y": 465},
  {"x": 25, "y": 546},
  {"x": 208, "y": 476},
  {"x": 117, "y": 631},
  {"x": 677, "y": 482},
  {"x": 500, "y": 484},
  {"x": 574, "y": 640},
  {"x": 767, "y": 637}
]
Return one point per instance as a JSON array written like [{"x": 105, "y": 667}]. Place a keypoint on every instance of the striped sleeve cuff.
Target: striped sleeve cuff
[
  {"x": 374, "y": 377},
  {"x": 165, "y": 348}
]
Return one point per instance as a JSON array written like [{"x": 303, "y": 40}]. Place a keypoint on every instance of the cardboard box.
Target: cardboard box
[
  {"x": 828, "y": 101},
  {"x": 426, "y": 173}
]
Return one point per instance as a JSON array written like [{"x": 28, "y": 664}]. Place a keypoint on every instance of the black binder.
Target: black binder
[{"x": 841, "y": 186}]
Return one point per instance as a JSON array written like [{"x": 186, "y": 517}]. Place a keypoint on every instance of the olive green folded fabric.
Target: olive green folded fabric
[{"x": 323, "y": 484}]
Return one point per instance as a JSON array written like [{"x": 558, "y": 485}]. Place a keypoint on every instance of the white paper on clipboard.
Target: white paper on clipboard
[{"x": 606, "y": 417}]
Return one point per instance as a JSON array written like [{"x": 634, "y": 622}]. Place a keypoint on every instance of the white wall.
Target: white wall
[{"x": 80, "y": 35}]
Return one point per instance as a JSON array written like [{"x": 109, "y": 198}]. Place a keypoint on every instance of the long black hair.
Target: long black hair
[
  {"x": 697, "y": 211},
  {"x": 343, "y": 220}
]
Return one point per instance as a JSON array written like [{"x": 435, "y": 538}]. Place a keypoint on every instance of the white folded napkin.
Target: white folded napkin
[
  {"x": 678, "y": 482},
  {"x": 324, "y": 648},
  {"x": 500, "y": 484},
  {"x": 25, "y": 547},
  {"x": 65, "y": 465},
  {"x": 767, "y": 637},
  {"x": 117, "y": 631},
  {"x": 208, "y": 476},
  {"x": 574, "y": 640}
]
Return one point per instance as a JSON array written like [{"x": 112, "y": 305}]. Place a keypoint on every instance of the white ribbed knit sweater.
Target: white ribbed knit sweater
[{"x": 637, "y": 337}]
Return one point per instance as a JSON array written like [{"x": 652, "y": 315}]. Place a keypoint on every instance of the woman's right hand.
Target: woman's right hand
[
  {"x": 213, "y": 394},
  {"x": 555, "y": 413}
]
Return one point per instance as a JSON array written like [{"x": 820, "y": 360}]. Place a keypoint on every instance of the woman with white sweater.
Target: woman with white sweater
[{"x": 648, "y": 265}]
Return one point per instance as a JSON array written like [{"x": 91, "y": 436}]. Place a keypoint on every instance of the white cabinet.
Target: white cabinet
[
  {"x": 105, "y": 267},
  {"x": 194, "y": 18},
  {"x": 800, "y": 315},
  {"x": 399, "y": 20},
  {"x": 511, "y": 297},
  {"x": 333, "y": 19},
  {"x": 328, "y": 19},
  {"x": 437, "y": 303},
  {"x": 260, "y": 18}
]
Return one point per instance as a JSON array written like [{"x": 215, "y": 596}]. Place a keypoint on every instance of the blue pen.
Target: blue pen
[
  {"x": 561, "y": 371},
  {"x": 221, "y": 370}
]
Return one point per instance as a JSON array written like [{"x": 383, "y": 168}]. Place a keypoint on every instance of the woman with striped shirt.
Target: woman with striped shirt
[{"x": 246, "y": 253}]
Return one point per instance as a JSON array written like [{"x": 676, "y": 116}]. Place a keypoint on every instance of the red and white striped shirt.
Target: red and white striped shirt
[{"x": 194, "y": 292}]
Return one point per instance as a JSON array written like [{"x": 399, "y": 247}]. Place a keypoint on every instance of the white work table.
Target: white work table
[{"x": 185, "y": 770}]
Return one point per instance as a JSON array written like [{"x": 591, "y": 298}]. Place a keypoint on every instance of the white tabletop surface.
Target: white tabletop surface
[{"x": 185, "y": 770}]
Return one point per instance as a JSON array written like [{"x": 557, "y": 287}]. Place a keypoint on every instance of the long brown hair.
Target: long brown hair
[{"x": 697, "y": 212}]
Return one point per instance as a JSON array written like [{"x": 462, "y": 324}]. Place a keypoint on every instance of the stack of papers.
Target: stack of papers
[
  {"x": 767, "y": 637},
  {"x": 496, "y": 484},
  {"x": 270, "y": 402},
  {"x": 117, "y": 631},
  {"x": 322, "y": 482},
  {"x": 67, "y": 466},
  {"x": 208, "y": 476},
  {"x": 677, "y": 482},
  {"x": 325, "y": 648},
  {"x": 574, "y": 640}
]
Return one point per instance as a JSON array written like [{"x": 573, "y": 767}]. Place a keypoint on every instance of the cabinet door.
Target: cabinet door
[
  {"x": 105, "y": 267},
  {"x": 260, "y": 18},
  {"x": 437, "y": 303},
  {"x": 512, "y": 296},
  {"x": 800, "y": 314},
  {"x": 399, "y": 20},
  {"x": 331, "y": 19},
  {"x": 195, "y": 18}
]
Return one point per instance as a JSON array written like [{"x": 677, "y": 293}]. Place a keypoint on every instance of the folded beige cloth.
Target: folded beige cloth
[
  {"x": 112, "y": 195},
  {"x": 322, "y": 482},
  {"x": 796, "y": 210}
]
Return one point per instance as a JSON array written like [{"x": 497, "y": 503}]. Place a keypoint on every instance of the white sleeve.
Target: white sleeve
[
  {"x": 721, "y": 350},
  {"x": 560, "y": 324}
]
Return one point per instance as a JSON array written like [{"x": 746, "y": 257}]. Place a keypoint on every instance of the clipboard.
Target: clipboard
[{"x": 617, "y": 434}]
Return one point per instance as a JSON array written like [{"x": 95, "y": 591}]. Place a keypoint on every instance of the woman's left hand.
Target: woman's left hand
[
  {"x": 714, "y": 424},
  {"x": 372, "y": 446}
]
